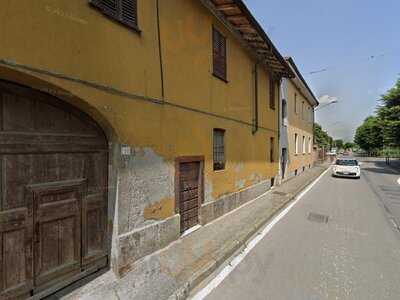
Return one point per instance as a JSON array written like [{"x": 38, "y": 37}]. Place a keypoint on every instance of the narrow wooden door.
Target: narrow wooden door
[
  {"x": 189, "y": 191},
  {"x": 57, "y": 225}
]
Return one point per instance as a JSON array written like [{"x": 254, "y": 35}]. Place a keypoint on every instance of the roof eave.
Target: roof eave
[
  {"x": 237, "y": 17},
  {"x": 292, "y": 65}
]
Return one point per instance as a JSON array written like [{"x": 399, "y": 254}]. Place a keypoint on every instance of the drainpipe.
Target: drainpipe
[
  {"x": 160, "y": 50},
  {"x": 280, "y": 171},
  {"x": 255, "y": 119},
  {"x": 279, "y": 109}
]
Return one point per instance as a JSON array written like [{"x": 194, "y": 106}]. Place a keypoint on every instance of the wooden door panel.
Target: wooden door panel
[
  {"x": 17, "y": 113},
  {"x": 187, "y": 185},
  {"x": 189, "y": 193},
  {"x": 189, "y": 223},
  {"x": 190, "y": 214},
  {"x": 14, "y": 258},
  {"x": 94, "y": 229},
  {"x": 187, "y": 205},
  {"x": 16, "y": 253},
  {"x": 57, "y": 220},
  {"x": 96, "y": 172},
  {"x": 16, "y": 173},
  {"x": 58, "y": 244}
]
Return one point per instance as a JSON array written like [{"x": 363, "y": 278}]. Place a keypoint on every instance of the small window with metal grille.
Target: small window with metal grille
[
  {"x": 123, "y": 11},
  {"x": 219, "y": 55},
  {"x": 219, "y": 149}
]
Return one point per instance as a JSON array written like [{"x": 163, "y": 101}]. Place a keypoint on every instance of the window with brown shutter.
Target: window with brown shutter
[
  {"x": 271, "y": 150},
  {"x": 123, "y": 11},
  {"x": 219, "y": 55},
  {"x": 272, "y": 88},
  {"x": 219, "y": 149}
]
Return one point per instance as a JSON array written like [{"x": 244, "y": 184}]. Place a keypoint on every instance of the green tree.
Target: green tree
[
  {"x": 338, "y": 144},
  {"x": 348, "y": 146},
  {"x": 369, "y": 136},
  {"x": 322, "y": 138},
  {"x": 389, "y": 114}
]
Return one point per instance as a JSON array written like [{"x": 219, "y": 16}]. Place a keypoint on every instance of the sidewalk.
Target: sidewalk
[{"x": 177, "y": 269}]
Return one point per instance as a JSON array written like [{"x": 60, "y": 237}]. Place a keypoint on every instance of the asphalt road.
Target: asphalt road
[{"x": 338, "y": 242}]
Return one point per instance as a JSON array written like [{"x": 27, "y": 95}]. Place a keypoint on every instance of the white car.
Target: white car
[{"x": 346, "y": 167}]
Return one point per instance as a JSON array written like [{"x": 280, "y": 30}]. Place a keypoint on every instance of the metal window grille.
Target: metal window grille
[{"x": 219, "y": 149}]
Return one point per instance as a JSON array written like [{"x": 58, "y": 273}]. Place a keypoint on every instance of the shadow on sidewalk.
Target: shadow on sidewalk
[{"x": 381, "y": 170}]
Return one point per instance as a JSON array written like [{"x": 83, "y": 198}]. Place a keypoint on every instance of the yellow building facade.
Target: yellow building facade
[
  {"x": 297, "y": 125},
  {"x": 147, "y": 80}
]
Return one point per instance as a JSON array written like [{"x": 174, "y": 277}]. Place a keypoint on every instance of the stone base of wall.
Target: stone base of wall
[
  {"x": 290, "y": 175},
  {"x": 146, "y": 240},
  {"x": 137, "y": 244},
  {"x": 218, "y": 208}
]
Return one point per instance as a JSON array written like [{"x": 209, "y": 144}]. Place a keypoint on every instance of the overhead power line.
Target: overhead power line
[{"x": 368, "y": 58}]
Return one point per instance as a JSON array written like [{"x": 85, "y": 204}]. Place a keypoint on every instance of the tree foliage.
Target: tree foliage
[
  {"x": 338, "y": 144},
  {"x": 389, "y": 114},
  {"x": 322, "y": 138},
  {"x": 348, "y": 146},
  {"x": 392, "y": 96},
  {"x": 382, "y": 130},
  {"x": 369, "y": 136}
]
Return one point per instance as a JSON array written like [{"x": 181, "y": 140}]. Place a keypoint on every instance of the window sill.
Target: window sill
[{"x": 220, "y": 77}]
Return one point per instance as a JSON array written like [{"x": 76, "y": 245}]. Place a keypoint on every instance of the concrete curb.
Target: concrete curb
[{"x": 205, "y": 271}]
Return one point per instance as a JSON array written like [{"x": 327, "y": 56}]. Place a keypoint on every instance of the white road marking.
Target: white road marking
[
  {"x": 203, "y": 293},
  {"x": 398, "y": 181}
]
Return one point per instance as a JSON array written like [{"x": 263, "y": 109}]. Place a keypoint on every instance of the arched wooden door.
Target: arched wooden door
[{"x": 53, "y": 200}]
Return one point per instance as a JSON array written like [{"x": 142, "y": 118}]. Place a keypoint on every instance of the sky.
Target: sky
[{"x": 356, "y": 42}]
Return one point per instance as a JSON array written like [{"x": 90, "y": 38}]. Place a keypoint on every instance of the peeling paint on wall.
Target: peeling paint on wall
[
  {"x": 239, "y": 167},
  {"x": 240, "y": 184},
  {"x": 208, "y": 191},
  {"x": 146, "y": 179},
  {"x": 160, "y": 210}
]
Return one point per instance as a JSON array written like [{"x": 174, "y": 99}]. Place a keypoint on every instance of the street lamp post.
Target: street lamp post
[
  {"x": 332, "y": 100},
  {"x": 326, "y": 104}
]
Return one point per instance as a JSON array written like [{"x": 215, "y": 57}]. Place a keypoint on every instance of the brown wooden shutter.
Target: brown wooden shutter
[
  {"x": 124, "y": 11},
  {"x": 129, "y": 12},
  {"x": 108, "y": 7},
  {"x": 272, "y": 88},
  {"x": 219, "y": 54}
]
